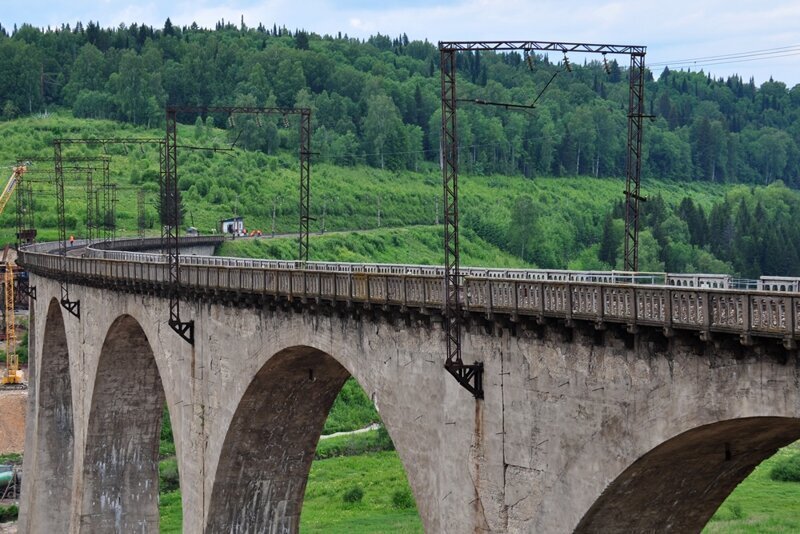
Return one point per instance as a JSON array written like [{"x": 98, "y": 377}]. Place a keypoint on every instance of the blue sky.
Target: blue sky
[{"x": 676, "y": 32}]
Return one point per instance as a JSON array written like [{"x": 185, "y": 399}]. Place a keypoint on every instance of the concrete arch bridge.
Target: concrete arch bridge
[{"x": 608, "y": 406}]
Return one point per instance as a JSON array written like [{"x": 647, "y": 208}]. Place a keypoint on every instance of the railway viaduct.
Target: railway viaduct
[{"x": 607, "y": 407}]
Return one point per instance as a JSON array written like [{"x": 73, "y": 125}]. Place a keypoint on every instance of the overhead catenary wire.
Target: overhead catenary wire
[{"x": 731, "y": 58}]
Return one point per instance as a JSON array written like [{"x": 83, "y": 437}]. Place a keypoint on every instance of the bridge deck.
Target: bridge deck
[{"x": 706, "y": 310}]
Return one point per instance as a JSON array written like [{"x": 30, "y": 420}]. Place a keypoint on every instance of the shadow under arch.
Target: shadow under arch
[
  {"x": 678, "y": 485},
  {"x": 263, "y": 468},
  {"x": 120, "y": 468},
  {"x": 51, "y": 489}
]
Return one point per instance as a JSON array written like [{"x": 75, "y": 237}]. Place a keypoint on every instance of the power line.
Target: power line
[
  {"x": 734, "y": 54},
  {"x": 737, "y": 57},
  {"x": 730, "y": 62}
]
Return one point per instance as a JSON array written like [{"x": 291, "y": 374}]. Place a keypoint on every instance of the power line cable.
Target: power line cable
[{"x": 740, "y": 57}]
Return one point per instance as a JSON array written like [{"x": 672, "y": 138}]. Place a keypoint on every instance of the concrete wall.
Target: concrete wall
[{"x": 574, "y": 428}]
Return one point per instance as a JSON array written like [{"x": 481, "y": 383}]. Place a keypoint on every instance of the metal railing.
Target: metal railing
[{"x": 747, "y": 313}]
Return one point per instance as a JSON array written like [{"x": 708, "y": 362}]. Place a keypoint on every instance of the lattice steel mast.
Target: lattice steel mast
[
  {"x": 633, "y": 164},
  {"x": 470, "y": 376},
  {"x": 171, "y": 196}
]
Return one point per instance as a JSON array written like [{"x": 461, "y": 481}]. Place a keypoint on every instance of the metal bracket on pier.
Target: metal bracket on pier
[
  {"x": 469, "y": 376},
  {"x": 72, "y": 306},
  {"x": 25, "y": 288},
  {"x": 185, "y": 329}
]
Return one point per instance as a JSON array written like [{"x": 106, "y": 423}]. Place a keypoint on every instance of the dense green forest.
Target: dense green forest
[{"x": 376, "y": 102}]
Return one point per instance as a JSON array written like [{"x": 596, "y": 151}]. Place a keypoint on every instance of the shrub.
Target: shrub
[
  {"x": 787, "y": 468},
  {"x": 403, "y": 499},
  {"x": 169, "y": 479},
  {"x": 8, "y": 513},
  {"x": 353, "y": 495},
  {"x": 13, "y": 458},
  {"x": 736, "y": 510}
]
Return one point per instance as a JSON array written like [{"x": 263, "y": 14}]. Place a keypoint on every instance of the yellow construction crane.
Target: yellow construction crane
[
  {"x": 16, "y": 176},
  {"x": 13, "y": 375}
]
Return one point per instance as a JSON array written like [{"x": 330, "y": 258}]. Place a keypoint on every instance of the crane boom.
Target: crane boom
[
  {"x": 12, "y": 375},
  {"x": 11, "y": 185}
]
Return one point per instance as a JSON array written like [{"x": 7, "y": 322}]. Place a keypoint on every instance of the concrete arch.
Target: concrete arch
[
  {"x": 269, "y": 446},
  {"x": 120, "y": 465},
  {"x": 678, "y": 485},
  {"x": 51, "y": 487}
]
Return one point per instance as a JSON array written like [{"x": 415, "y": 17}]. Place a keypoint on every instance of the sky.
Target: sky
[{"x": 758, "y": 38}]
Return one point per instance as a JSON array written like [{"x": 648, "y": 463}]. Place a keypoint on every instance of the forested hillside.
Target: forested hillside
[
  {"x": 549, "y": 222},
  {"x": 376, "y": 102}
]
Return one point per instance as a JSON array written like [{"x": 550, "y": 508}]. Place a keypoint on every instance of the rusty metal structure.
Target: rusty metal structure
[
  {"x": 141, "y": 219},
  {"x": 110, "y": 212},
  {"x": 71, "y": 306},
  {"x": 171, "y": 197},
  {"x": 470, "y": 376},
  {"x": 81, "y": 165},
  {"x": 633, "y": 164},
  {"x": 26, "y": 229}
]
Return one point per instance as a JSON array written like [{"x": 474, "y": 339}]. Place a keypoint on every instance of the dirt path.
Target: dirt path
[
  {"x": 12, "y": 421},
  {"x": 373, "y": 426}
]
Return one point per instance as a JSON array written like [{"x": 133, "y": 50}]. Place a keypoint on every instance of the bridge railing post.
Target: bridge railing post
[
  {"x": 706, "y": 308},
  {"x": 568, "y": 307}
]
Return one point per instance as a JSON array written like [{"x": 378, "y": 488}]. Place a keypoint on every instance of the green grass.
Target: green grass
[
  {"x": 380, "y": 475},
  {"x": 760, "y": 504},
  {"x": 384, "y": 508},
  {"x": 8, "y": 513},
  {"x": 169, "y": 507},
  {"x": 13, "y": 458},
  {"x": 418, "y": 245}
]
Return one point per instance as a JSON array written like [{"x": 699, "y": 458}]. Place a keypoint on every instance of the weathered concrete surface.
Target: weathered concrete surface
[
  {"x": 120, "y": 463},
  {"x": 566, "y": 415},
  {"x": 48, "y": 458}
]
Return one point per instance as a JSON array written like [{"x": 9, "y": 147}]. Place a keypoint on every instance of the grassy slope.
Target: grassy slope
[
  {"x": 386, "y": 245},
  {"x": 351, "y": 410},
  {"x": 217, "y": 185},
  {"x": 760, "y": 504},
  {"x": 171, "y": 511},
  {"x": 379, "y": 475}
]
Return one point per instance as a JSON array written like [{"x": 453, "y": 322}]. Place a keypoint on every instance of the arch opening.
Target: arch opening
[
  {"x": 51, "y": 488},
  {"x": 263, "y": 471},
  {"x": 121, "y": 461},
  {"x": 680, "y": 484}
]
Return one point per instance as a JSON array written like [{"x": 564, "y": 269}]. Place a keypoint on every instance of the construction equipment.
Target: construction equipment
[
  {"x": 16, "y": 176},
  {"x": 13, "y": 376}
]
